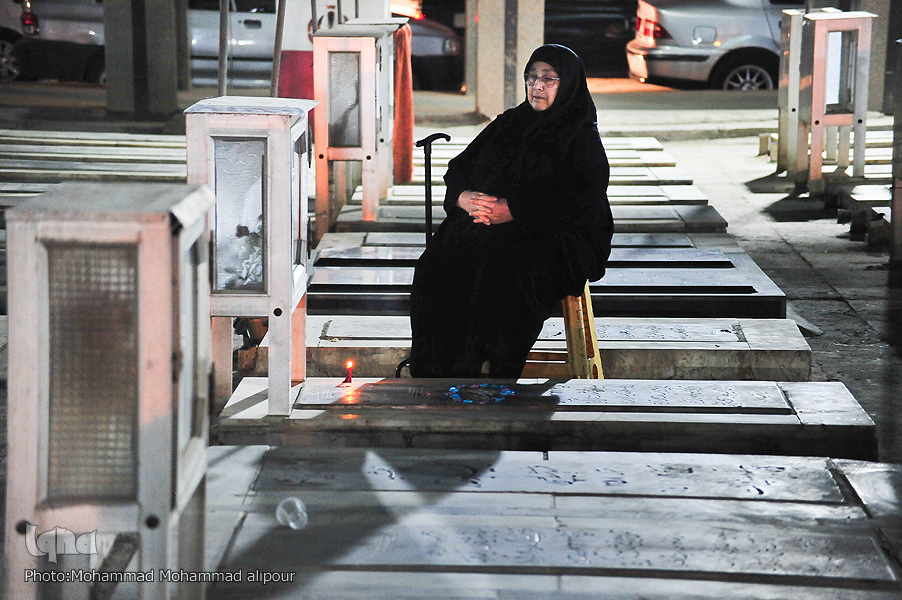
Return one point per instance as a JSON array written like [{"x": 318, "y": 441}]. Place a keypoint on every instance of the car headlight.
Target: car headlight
[{"x": 450, "y": 46}]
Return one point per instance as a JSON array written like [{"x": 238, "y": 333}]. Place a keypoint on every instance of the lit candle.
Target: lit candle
[{"x": 350, "y": 366}]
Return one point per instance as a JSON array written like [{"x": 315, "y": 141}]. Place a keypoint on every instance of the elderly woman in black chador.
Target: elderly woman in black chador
[{"x": 528, "y": 223}]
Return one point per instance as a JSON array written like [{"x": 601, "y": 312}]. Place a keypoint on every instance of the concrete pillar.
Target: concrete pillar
[
  {"x": 879, "y": 38},
  {"x": 890, "y": 88},
  {"x": 141, "y": 57},
  {"x": 470, "y": 47},
  {"x": 507, "y": 31},
  {"x": 182, "y": 45}
]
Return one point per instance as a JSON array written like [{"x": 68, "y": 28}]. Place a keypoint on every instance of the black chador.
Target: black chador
[{"x": 482, "y": 292}]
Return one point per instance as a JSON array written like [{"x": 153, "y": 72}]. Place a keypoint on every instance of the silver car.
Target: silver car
[
  {"x": 64, "y": 40},
  {"x": 725, "y": 44}
]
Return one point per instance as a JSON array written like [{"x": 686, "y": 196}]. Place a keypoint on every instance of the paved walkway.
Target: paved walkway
[{"x": 624, "y": 108}]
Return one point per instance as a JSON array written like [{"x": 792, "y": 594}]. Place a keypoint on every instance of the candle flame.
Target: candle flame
[{"x": 350, "y": 367}]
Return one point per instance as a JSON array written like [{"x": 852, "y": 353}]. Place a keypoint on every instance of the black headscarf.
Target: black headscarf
[
  {"x": 523, "y": 145},
  {"x": 572, "y": 108}
]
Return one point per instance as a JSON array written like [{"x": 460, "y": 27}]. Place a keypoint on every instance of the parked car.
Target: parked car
[
  {"x": 597, "y": 30},
  {"x": 64, "y": 40},
  {"x": 10, "y": 33},
  {"x": 724, "y": 44},
  {"x": 437, "y": 56}
]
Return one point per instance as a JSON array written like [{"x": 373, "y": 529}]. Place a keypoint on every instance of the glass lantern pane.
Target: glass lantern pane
[
  {"x": 344, "y": 100},
  {"x": 190, "y": 338},
  {"x": 239, "y": 222},
  {"x": 93, "y": 351}
]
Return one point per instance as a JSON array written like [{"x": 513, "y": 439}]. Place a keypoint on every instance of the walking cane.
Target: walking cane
[{"x": 426, "y": 144}]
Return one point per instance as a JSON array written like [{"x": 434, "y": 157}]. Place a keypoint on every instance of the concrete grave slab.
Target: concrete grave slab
[
  {"x": 407, "y": 256},
  {"x": 630, "y": 415},
  {"x": 91, "y": 138},
  {"x": 627, "y": 218},
  {"x": 458, "y": 143},
  {"x": 766, "y": 349},
  {"x": 617, "y": 157},
  {"x": 631, "y": 143},
  {"x": 735, "y": 287},
  {"x": 15, "y": 189},
  {"x": 861, "y": 197},
  {"x": 653, "y": 219},
  {"x": 60, "y": 152},
  {"x": 623, "y": 175},
  {"x": 874, "y": 138},
  {"x": 514, "y": 525},
  {"x": 54, "y": 171},
  {"x": 617, "y": 194},
  {"x": 619, "y": 240},
  {"x": 874, "y": 155},
  {"x": 874, "y": 174}
]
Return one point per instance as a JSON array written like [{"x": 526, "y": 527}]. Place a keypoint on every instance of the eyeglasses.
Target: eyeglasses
[{"x": 548, "y": 82}]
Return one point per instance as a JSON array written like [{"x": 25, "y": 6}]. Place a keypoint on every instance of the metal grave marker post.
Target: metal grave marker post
[
  {"x": 846, "y": 105},
  {"x": 108, "y": 388},
  {"x": 788, "y": 92},
  {"x": 385, "y": 93},
  {"x": 353, "y": 80},
  {"x": 253, "y": 153}
]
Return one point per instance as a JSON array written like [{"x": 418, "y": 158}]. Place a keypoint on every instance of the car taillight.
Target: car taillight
[
  {"x": 651, "y": 29},
  {"x": 30, "y": 23}
]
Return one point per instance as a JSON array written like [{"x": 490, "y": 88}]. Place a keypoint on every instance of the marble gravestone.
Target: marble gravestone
[
  {"x": 405, "y": 524},
  {"x": 755, "y": 417}
]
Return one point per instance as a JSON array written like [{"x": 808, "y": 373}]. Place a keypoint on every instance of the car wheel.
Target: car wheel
[
  {"x": 745, "y": 74},
  {"x": 9, "y": 63}
]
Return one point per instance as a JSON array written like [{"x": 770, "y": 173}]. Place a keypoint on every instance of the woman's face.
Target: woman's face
[{"x": 541, "y": 95}]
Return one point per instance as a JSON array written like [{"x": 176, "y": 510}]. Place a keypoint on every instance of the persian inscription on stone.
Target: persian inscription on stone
[
  {"x": 646, "y": 212},
  {"x": 703, "y": 279},
  {"x": 381, "y": 328},
  {"x": 672, "y": 394},
  {"x": 707, "y": 330},
  {"x": 384, "y": 253},
  {"x": 707, "y": 279},
  {"x": 665, "y": 255},
  {"x": 650, "y": 240},
  {"x": 685, "y": 546},
  {"x": 399, "y": 238},
  {"x": 352, "y": 276},
  {"x": 784, "y": 478}
]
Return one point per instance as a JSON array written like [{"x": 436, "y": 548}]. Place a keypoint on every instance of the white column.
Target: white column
[
  {"x": 879, "y": 37},
  {"x": 507, "y": 31}
]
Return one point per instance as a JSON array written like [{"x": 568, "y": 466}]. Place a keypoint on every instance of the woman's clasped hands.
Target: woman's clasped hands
[{"x": 485, "y": 209}]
